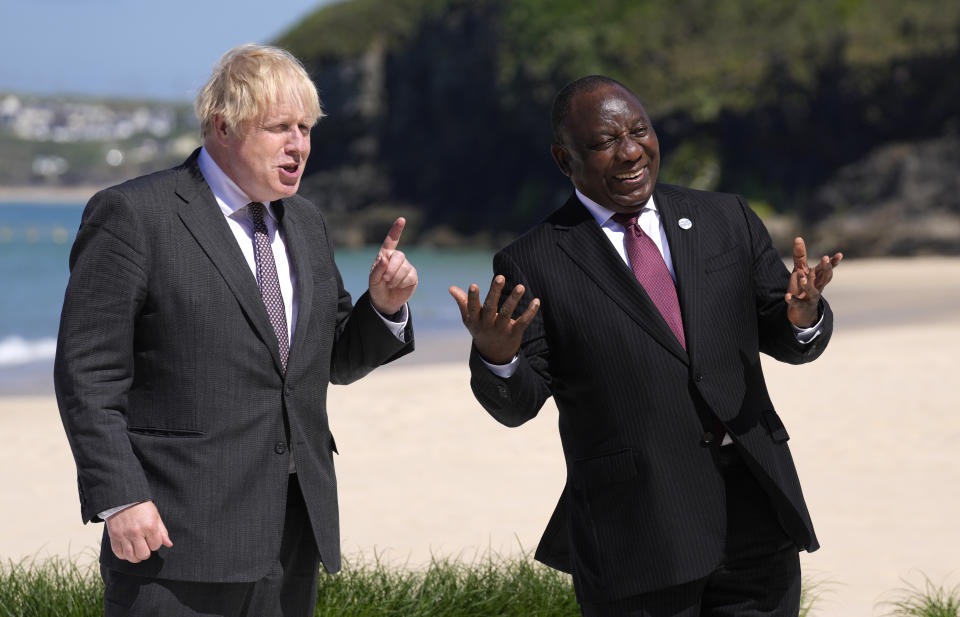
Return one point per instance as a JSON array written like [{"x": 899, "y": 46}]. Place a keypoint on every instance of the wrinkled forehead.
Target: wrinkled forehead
[
  {"x": 287, "y": 107},
  {"x": 606, "y": 108}
]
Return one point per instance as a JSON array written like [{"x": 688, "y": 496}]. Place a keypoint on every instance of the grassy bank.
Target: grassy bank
[{"x": 487, "y": 586}]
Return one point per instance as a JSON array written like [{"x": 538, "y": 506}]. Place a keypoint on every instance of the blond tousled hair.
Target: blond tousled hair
[{"x": 250, "y": 79}]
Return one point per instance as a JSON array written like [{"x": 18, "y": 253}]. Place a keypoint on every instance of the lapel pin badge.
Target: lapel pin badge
[{"x": 685, "y": 223}]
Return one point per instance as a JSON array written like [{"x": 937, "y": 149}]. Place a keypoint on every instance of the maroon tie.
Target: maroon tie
[
  {"x": 649, "y": 268},
  {"x": 268, "y": 281}
]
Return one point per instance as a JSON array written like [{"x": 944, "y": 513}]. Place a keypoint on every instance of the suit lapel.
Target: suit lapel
[
  {"x": 292, "y": 228},
  {"x": 586, "y": 245},
  {"x": 685, "y": 252},
  {"x": 204, "y": 220}
]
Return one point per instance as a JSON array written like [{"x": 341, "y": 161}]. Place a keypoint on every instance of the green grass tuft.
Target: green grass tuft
[
  {"x": 812, "y": 591},
  {"x": 52, "y": 588},
  {"x": 491, "y": 585},
  {"x": 929, "y": 601}
]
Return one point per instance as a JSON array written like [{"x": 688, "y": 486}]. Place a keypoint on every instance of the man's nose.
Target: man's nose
[
  {"x": 628, "y": 149},
  {"x": 297, "y": 141}
]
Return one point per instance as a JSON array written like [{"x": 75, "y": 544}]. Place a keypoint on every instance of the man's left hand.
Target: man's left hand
[
  {"x": 393, "y": 279},
  {"x": 803, "y": 291}
]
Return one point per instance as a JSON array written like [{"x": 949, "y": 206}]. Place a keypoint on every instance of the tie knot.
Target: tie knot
[
  {"x": 256, "y": 215},
  {"x": 626, "y": 219},
  {"x": 256, "y": 210}
]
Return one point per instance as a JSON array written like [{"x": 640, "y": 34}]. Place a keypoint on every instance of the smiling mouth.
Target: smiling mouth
[{"x": 631, "y": 175}]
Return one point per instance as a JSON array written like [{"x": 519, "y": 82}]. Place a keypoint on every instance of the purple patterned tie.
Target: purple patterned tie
[
  {"x": 649, "y": 268},
  {"x": 268, "y": 281}
]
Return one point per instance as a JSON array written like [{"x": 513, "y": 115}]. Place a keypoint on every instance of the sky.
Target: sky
[{"x": 130, "y": 48}]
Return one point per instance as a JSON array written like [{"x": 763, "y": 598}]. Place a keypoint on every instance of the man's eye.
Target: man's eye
[{"x": 640, "y": 131}]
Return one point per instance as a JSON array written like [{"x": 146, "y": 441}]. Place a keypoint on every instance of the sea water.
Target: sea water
[{"x": 35, "y": 242}]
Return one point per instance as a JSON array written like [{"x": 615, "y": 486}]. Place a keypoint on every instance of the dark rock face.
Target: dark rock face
[
  {"x": 901, "y": 199},
  {"x": 864, "y": 161},
  {"x": 423, "y": 128}
]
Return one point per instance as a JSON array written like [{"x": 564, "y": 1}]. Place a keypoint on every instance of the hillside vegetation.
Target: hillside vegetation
[{"x": 440, "y": 107}]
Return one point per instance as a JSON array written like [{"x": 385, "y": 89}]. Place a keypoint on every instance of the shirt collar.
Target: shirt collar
[
  {"x": 230, "y": 197},
  {"x": 603, "y": 214}
]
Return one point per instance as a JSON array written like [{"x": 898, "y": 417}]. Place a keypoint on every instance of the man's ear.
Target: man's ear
[
  {"x": 220, "y": 129},
  {"x": 560, "y": 155}
]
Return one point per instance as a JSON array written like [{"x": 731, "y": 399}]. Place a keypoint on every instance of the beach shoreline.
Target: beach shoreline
[
  {"x": 54, "y": 195},
  {"x": 423, "y": 471}
]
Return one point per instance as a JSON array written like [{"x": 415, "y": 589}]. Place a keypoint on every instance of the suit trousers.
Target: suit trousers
[
  {"x": 288, "y": 590},
  {"x": 759, "y": 573}
]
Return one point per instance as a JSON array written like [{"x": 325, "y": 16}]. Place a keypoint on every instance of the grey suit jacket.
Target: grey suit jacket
[
  {"x": 169, "y": 383},
  {"x": 643, "y": 506}
]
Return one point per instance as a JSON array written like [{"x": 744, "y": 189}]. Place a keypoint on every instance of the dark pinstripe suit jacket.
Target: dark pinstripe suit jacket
[
  {"x": 643, "y": 506},
  {"x": 169, "y": 382}
]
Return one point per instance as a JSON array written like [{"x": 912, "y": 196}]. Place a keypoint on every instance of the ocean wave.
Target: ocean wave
[{"x": 15, "y": 350}]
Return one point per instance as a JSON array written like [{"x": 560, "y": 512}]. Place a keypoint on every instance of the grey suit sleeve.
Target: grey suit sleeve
[
  {"x": 363, "y": 341},
  {"x": 770, "y": 278},
  {"x": 518, "y": 398},
  {"x": 93, "y": 369}
]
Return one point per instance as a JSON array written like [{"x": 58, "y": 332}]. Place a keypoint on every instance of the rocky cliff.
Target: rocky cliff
[{"x": 837, "y": 117}]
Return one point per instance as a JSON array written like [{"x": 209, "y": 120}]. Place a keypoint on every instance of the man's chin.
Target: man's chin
[
  {"x": 287, "y": 190},
  {"x": 633, "y": 199}
]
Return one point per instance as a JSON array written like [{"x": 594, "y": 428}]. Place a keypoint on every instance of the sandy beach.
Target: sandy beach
[{"x": 424, "y": 471}]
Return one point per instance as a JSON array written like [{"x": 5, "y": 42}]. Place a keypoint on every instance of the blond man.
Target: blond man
[{"x": 203, "y": 321}]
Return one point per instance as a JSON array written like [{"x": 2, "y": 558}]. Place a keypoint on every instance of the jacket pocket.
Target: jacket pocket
[
  {"x": 778, "y": 432},
  {"x": 604, "y": 469},
  {"x": 723, "y": 260},
  {"x": 164, "y": 432}
]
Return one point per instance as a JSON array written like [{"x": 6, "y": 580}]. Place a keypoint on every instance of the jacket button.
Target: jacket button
[
  {"x": 280, "y": 447},
  {"x": 698, "y": 378},
  {"x": 707, "y": 440}
]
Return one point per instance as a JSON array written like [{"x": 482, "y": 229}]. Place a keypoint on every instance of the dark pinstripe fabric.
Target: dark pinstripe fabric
[
  {"x": 169, "y": 378},
  {"x": 644, "y": 507}
]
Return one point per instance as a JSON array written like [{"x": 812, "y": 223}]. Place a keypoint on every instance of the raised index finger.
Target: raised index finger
[
  {"x": 393, "y": 236},
  {"x": 799, "y": 254}
]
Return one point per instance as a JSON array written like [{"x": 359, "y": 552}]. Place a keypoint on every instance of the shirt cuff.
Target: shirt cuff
[
  {"x": 505, "y": 371},
  {"x": 397, "y": 326},
  {"x": 108, "y": 513},
  {"x": 805, "y": 336}
]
